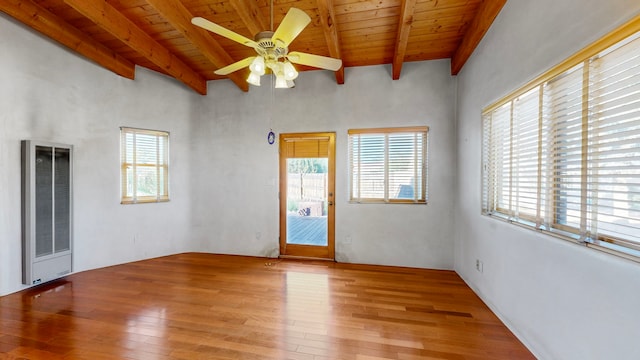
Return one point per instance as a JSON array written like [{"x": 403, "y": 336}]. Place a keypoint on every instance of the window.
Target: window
[
  {"x": 144, "y": 165},
  {"x": 562, "y": 155},
  {"x": 388, "y": 165}
]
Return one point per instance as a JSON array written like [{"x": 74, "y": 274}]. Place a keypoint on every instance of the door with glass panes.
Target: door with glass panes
[{"x": 307, "y": 193}]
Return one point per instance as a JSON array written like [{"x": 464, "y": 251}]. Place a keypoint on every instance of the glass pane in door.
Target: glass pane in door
[{"x": 307, "y": 189}]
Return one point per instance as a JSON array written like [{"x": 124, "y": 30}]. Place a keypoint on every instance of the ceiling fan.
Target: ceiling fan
[{"x": 272, "y": 49}]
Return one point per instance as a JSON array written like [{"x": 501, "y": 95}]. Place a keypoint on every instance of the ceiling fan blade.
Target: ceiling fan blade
[
  {"x": 291, "y": 26},
  {"x": 217, "y": 29},
  {"x": 318, "y": 61},
  {"x": 235, "y": 66}
]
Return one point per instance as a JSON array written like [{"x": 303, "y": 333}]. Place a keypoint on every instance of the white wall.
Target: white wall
[
  {"x": 47, "y": 93},
  {"x": 563, "y": 300},
  {"x": 236, "y": 191},
  {"x": 224, "y": 175}
]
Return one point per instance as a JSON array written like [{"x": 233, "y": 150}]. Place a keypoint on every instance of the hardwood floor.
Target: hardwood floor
[{"x": 204, "y": 306}]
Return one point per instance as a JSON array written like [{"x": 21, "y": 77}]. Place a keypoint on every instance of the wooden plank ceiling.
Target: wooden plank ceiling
[{"x": 158, "y": 34}]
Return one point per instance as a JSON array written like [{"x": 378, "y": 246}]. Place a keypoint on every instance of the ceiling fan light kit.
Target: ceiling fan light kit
[{"x": 273, "y": 51}]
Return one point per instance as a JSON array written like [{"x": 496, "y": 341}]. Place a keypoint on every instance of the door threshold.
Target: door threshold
[{"x": 304, "y": 258}]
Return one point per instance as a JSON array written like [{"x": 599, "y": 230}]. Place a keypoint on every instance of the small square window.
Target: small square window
[{"x": 388, "y": 165}]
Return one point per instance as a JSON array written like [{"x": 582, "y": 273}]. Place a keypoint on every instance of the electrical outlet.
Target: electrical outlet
[
  {"x": 347, "y": 240},
  {"x": 479, "y": 265}
]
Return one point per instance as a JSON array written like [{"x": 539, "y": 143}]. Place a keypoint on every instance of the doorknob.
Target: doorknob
[{"x": 330, "y": 203}]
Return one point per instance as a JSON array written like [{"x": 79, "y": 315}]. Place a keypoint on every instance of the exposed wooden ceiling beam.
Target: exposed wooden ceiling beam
[
  {"x": 402, "y": 36},
  {"x": 43, "y": 21},
  {"x": 330, "y": 29},
  {"x": 180, "y": 18},
  {"x": 112, "y": 21},
  {"x": 487, "y": 12},
  {"x": 249, "y": 12}
]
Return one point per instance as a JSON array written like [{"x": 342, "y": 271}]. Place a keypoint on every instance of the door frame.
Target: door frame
[{"x": 308, "y": 251}]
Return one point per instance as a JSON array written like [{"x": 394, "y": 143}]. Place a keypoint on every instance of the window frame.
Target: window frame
[
  {"x": 162, "y": 194},
  {"x": 386, "y": 132},
  {"x": 626, "y": 248}
]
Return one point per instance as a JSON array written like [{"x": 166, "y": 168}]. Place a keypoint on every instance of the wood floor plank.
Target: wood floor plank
[{"x": 206, "y": 306}]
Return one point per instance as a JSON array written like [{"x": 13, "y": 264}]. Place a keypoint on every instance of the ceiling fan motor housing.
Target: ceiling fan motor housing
[{"x": 269, "y": 48}]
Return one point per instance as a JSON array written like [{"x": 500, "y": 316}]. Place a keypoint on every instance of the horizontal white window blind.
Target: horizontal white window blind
[
  {"x": 388, "y": 165},
  {"x": 563, "y": 120},
  {"x": 614, "y": 144},
  {"x": 144, "y": 165},
  {"x": 563, "y": 154}
]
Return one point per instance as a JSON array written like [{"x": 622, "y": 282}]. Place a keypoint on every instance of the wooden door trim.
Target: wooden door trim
[{"x": 308, "y": 251}]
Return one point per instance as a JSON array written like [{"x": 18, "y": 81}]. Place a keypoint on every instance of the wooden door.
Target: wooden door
[{"x": 307, "y": 193}]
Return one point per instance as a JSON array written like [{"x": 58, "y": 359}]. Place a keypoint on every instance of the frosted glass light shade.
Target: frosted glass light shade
[
  {"x": 254, "y": 79},
  {"x": 257, "y": 66},
  {"x": 290, "y": 72},
  {"x": 281, "y": 83}
]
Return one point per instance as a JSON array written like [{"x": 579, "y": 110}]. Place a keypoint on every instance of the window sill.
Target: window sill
[
  {"x": 609, "y": 248},
  {"x": 374, "y": 201},
  {"x": 139, "y": 201}
]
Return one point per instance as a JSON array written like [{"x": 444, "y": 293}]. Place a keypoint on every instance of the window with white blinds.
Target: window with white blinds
[
  {"x": 562, "y": 154},
  {"x": 388, "y": 165},
  {"x": 144, "y": 165}
]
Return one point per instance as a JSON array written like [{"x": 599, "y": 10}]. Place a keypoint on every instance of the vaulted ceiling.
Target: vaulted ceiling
[{"x": 158, "y": 34}]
